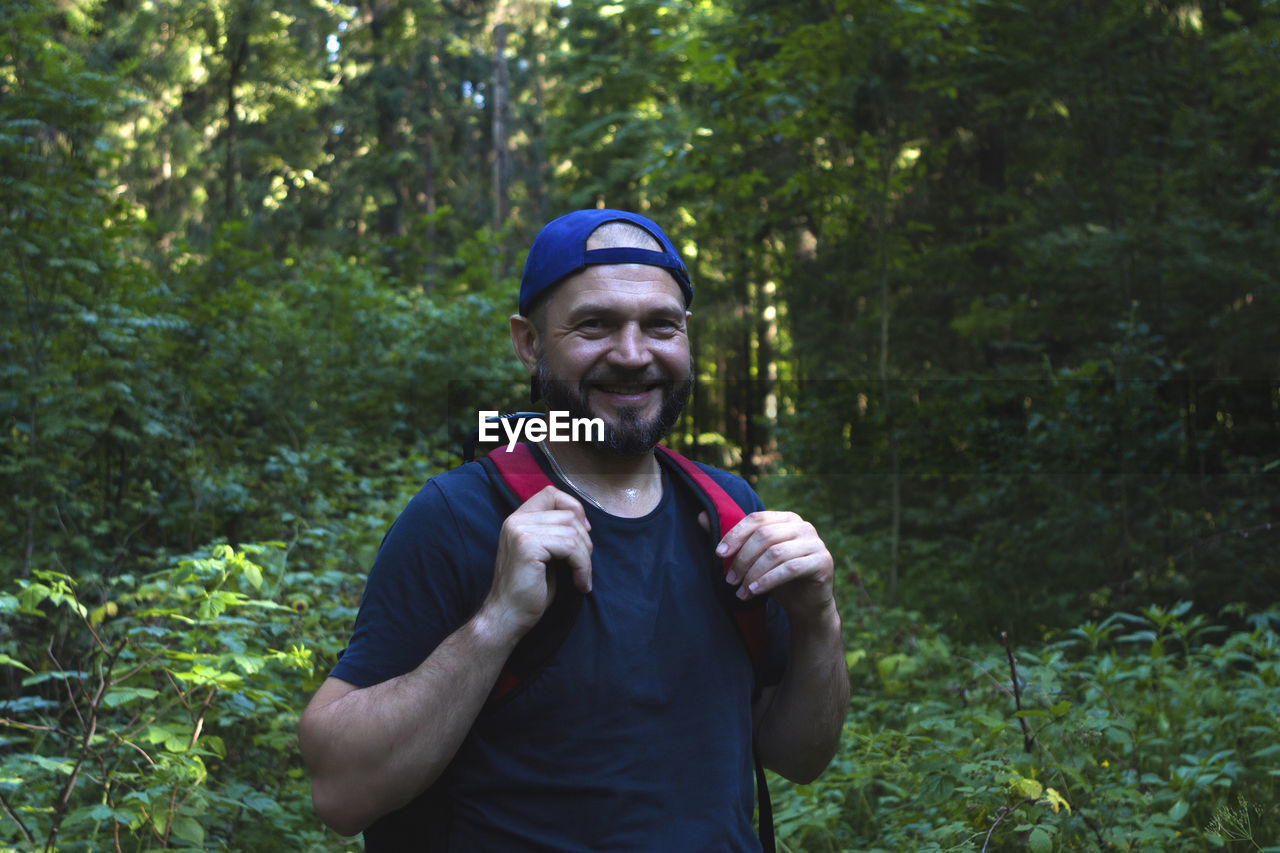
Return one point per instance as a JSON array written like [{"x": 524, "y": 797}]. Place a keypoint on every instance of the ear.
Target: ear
[{"x": 524, "y": 339}]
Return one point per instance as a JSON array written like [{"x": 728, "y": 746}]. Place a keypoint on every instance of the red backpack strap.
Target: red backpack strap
[
  {"x": 517, "y": 474},
  {"x": 518, "y": 471},
  {"x": 748, "y": 616},
  {"x": 725, "y": 513}
]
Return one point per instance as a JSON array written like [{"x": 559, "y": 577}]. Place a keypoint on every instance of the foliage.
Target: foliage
[
  {"x": 986, "y": 289},
  {"x": 1145, "y": 731},
  {"x": 162, "y": 713}
]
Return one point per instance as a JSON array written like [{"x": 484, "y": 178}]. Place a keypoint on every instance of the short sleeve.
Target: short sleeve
[{"x": 429, "y": 576}]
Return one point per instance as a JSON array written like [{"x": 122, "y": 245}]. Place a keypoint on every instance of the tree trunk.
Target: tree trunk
[
  {"x": 895, "y": 473},
  {"x": 767, "y": 369},
  {"x": 388, "y": 111},
  {"x": 237, "y": 55},
  {"x": 743, "y": 410},
  {"x": 428, "y": 147},
  {"x": 538, "y": 147},
  {"x": 501, "y": 156}
]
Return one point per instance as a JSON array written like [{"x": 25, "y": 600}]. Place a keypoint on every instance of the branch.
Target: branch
[
  {"x": 1003, "y": 813},
  {"x": 86, "y": 748},
  {"x": 71, "y": 694},
  {"x": 199, "y": 720},
  {"x": 1028, "y": 739},
  {"x": 22, "y": 827}
]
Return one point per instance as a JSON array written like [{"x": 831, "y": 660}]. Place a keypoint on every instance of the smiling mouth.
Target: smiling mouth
[{"x": 624, "y": 390}]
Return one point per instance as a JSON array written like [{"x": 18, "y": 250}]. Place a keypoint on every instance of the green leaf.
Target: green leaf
[
  {"x": 188, "y": 829},
  {"x": 214, "y": 745},
  {"x": 1028, "y": 789},
  {"x": 118, "y": 696},
  {"x": 1040, "y": 841},
  {"x": 253, "y": 574},
  {"x": 61, "y": 766},
  {"x": 5, "y": 659}
]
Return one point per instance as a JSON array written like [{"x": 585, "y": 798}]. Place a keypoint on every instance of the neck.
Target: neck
[{"x": 627, "y": 486}]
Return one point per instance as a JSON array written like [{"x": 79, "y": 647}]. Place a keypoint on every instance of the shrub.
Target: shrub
[
  {"x": 163, "y": 715},
  {"x": 1149, "y": 731}
]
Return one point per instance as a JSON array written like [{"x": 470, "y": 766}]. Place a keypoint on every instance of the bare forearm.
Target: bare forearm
[
  {"x": 800, "y": 730},
  {"x": 371, "y": 750}
]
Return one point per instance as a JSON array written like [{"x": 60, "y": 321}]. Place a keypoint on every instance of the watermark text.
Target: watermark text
[{"x": 557, "y": 426}]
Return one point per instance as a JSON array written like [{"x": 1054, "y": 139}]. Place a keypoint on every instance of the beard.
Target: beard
[{"x": 631, "y": 435}]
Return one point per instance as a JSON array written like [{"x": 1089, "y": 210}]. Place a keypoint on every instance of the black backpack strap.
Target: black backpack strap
[{"x": 421, "y": 826}]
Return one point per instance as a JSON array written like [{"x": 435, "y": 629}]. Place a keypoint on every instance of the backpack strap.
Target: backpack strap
[
  {"x": 518, "y": 475},
  {"x": 724, "y": 513},
  {"x": 749, "y": 616}
]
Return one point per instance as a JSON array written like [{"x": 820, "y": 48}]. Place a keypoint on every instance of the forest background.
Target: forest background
[{"x": 987, "y": 290}]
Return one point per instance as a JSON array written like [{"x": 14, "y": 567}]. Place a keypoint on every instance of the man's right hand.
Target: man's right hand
[
  {"x": 550, "y": 525},
  {"x": 373, "y": 749}
]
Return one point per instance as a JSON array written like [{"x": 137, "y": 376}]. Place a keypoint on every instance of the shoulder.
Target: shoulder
[
  {"x": 461, "y": 493},
  {"x": 455, "y": 513},
  {"x": 738, "y": 488},
  {"x": 465, "y": 480},
  {"x": 432, "y": 570}
]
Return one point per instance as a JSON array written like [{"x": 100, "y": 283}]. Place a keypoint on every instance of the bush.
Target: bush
[
  {"x": 158, "y": 711},
  {"x": 163, "y": 715},
  {"x": 1149, "y": 731}
]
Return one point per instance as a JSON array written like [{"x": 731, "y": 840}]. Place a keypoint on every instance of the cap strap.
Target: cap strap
[{"x": 632, "y": 255}]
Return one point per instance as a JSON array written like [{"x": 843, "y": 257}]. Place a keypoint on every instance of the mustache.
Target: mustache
[{"x": 613, "y": 376}]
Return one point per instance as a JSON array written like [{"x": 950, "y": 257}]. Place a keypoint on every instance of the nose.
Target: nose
[{"x": 630, "y": 348}]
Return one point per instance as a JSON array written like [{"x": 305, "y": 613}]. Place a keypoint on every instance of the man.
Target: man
[{"x": 638, "y": 734}]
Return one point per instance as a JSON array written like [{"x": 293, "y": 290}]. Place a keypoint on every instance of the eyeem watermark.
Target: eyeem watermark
[{"x": 558, "y": 426}]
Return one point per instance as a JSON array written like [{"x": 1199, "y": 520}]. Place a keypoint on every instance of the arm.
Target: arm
[
  {"x": 799, "y": 721},
  {"x": 370, "y": 750}
]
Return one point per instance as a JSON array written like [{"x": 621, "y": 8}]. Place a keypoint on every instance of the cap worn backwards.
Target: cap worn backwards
[{"x": 560, "y": 250}]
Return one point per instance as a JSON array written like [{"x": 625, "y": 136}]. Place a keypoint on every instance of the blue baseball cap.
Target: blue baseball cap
[{"x": 560, "y": 250}]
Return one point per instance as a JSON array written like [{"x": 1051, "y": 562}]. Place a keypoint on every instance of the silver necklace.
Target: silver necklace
[{"x": 582, "y": 493}]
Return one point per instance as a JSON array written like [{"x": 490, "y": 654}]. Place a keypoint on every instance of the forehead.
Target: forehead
[{"x": 620, "y": 287}]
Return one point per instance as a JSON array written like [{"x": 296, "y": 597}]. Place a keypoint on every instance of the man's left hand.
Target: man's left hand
[{"x": 781, "y": 554}]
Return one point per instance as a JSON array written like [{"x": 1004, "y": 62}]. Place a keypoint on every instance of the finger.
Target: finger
[
  {"x": 569, "y": 542},
  {"x": 551, "y": 498},
  {"x": 755, "y": 562},
  {"x": 704, "y": 521},
  {"x": 770, "y": 534},
  {"x": 580, "y": 564},
  {"x": 564, "y": 500},
  {"x": 743, "y": 530},
  {"x": 808, "y": 566},
  {"x": 547, "y": 518}
]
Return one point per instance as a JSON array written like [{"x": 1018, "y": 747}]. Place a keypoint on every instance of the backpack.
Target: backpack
[{"x": 423, "y": 823}]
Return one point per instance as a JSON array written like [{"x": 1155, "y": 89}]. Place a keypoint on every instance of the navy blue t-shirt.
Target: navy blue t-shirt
[{"x": 637, "y": 734}]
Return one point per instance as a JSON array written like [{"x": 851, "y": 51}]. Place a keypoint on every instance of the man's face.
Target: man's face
[{"x": 615, "y": 346}]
